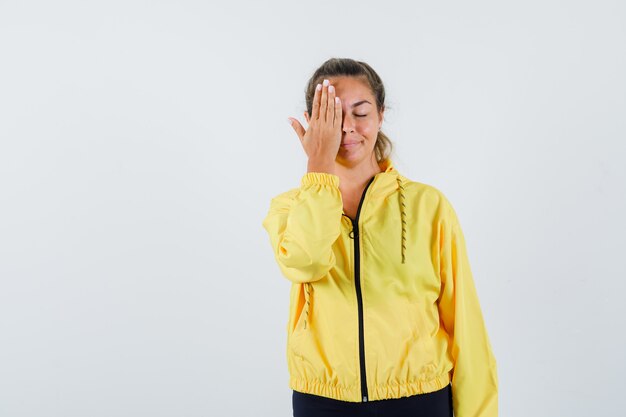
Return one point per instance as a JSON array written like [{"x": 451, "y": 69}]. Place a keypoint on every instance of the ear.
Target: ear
[
  {"x": 306, "y": 116},
  {"x": 381, "y": 118}
]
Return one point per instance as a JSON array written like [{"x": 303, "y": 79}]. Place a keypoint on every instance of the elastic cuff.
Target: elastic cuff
[{"x": 319, "y": 178}]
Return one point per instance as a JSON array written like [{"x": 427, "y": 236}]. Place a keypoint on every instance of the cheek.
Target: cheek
[{"x": 367, "y": 128}]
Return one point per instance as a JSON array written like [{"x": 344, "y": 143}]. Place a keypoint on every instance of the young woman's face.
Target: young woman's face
[{"x": 361, "y": 121}]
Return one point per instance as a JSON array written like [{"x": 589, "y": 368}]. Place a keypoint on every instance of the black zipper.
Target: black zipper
[{"x": 359, "y": 296}]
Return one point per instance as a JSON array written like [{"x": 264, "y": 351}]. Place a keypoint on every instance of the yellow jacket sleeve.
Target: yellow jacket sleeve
[
  {"x": 303, "y": 225},
  {"x": 474, "y": 376}
]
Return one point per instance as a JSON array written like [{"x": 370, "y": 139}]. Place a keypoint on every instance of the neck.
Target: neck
[{"x": 356, "y": 176}]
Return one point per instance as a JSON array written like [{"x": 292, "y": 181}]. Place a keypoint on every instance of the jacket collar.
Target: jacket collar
[{"x": 386, "y": 181}]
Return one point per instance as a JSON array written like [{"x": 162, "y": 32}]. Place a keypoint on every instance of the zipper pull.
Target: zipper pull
[{"x": 365, "y": 399}]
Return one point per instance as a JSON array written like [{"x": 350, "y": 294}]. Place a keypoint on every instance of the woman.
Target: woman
[{"x": 384, "y": 315}]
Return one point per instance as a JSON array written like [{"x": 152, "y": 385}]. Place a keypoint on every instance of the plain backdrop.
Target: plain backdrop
[{"x": 141, "y": 143}]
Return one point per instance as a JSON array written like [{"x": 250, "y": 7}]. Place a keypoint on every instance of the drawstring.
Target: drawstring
[
  {"x": 306, "y": 305},
  {"x": 402, "y": 216}
]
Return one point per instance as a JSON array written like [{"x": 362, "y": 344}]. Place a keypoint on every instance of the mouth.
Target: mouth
[{"x": 350, "y": 145}]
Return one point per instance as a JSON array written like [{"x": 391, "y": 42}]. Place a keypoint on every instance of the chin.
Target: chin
[{"x": 352, "y": 157}]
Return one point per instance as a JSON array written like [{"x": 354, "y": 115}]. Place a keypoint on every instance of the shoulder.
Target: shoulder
[
  {"x": 425, "y": 192},
  {"x": 430, "y": 197}
]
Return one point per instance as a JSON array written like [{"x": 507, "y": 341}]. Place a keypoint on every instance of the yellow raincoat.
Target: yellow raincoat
[{"x": 384, "y": 305}]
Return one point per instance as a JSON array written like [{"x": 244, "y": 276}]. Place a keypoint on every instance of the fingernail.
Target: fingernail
[
  {"x": 331, "y": 88},
  {"x": 289, "y": 121},
  {"x": 326, "y": 82},
  {"x": 318, "y": 87}
]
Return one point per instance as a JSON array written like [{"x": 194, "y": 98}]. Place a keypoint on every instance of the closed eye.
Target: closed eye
[{"x": 360, "y": 115}]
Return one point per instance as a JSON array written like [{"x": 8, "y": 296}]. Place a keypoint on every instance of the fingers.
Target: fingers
[
  {"x": 324, "y": 100},
  {"x": 316, "y": 102},
  {"x": 330, "y": 112},
  {"x": 338, "y": 110},
  {"x": 295, "y": 124},
  {"x": 326, "y": 106}
]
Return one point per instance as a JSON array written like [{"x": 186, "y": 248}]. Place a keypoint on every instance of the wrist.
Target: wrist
[{"x": 327, "y": 167}]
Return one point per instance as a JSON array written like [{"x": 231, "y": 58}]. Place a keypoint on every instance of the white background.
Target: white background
[{"x": 141, "y": 142}]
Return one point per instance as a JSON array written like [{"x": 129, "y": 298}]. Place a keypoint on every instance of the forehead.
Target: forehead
[{"x": 351, "y": 88}]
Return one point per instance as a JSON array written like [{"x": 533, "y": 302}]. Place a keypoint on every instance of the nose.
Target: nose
[{"x": 348, "y": 124}]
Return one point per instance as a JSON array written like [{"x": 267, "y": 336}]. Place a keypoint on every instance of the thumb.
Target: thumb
[{"x": 295, "y": 124}]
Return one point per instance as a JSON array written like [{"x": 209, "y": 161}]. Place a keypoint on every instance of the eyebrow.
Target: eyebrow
[{"x": 360, "y": 102}]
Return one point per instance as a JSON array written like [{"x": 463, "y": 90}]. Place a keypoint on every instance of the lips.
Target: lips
[{"x": 350, "y": 144}]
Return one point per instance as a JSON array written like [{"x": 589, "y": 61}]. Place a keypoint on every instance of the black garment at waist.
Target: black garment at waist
[{"x": 432, "y": 404}]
